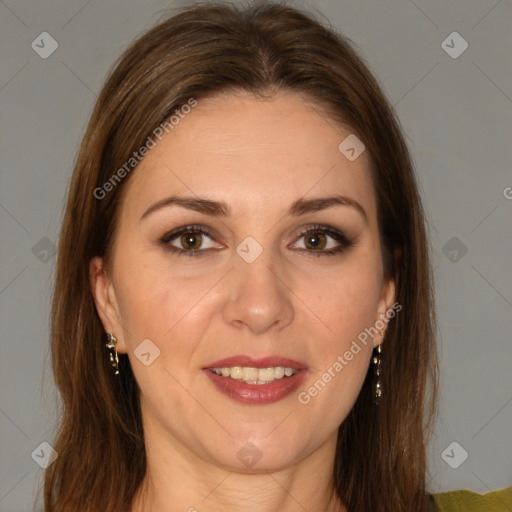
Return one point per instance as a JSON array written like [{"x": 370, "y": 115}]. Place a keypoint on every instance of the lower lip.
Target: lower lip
[{"x": 257, "y": 393}]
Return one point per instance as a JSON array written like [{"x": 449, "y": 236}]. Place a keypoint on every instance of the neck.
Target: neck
[{"x": 178, "y": 480}]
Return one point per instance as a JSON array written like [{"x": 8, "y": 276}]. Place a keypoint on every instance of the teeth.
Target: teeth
[
  {"x": 249, "y": 374},
  {"x": 279, "y": 372},
  {"x": 266, "y": 374},
  {"x": 257, "y": 376},
  {"x": 235, "y": 372}
]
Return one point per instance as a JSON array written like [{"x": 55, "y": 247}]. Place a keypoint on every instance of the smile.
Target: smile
[
  {"x": 256, "y": 381},
  {"x": 254, "y": 376}
]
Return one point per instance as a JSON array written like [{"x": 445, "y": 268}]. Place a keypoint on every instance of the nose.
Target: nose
[{"x": 259, "y": 298}]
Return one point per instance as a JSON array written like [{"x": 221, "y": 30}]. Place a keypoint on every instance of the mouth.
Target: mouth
[
  {"x": 254, "y": 376},
  {"x": 256, "y": 381}
]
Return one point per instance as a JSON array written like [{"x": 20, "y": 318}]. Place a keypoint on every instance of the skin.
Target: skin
[{"x": 258, "y": 156}]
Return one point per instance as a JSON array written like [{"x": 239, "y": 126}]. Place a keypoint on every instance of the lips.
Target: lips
[
  {"x": 263, "y": 362},
  {"x": 256, "y": 392}
]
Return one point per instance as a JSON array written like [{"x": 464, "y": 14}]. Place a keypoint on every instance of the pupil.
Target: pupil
[
  {"x": 190, "y": 241},
  {"x": 315, "y": 241}
]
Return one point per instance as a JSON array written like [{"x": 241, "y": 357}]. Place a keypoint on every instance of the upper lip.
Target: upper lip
[{"x": 262, "y": 362}]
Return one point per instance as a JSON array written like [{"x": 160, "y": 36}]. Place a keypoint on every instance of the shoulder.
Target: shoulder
[{"x": 467, "y": 501}]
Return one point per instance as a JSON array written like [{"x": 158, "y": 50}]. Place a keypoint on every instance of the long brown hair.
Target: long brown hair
[{"x": 201, "y": 51}]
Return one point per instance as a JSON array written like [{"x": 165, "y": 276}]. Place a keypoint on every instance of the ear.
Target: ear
[
  {"x": 105, "y": 300},
  {"x": 388, "y": 307}
]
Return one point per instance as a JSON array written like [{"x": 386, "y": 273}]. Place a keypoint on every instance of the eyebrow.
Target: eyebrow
[{"x": 220, "y": 209}]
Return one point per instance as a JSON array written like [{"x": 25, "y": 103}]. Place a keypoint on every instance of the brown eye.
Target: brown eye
[
  {"x": 191, "y": 240},
  {"x": 322, "y": 241},
  {"x": 315, "y": 241}
]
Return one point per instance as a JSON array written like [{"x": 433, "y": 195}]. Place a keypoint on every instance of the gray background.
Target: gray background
[{"x": 457, "y": 117}]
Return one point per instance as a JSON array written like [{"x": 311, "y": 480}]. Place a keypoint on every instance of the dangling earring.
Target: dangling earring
[
  {"x": 111, "y": 344},
  {"x": 377, "y": 351}
]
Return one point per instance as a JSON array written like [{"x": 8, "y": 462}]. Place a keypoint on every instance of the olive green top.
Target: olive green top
[{"x": 467, "y": 501}]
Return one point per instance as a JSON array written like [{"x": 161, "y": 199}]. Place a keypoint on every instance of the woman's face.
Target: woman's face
[{"x": 247, "y": 242}]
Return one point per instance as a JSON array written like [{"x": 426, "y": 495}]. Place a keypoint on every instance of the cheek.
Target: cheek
[
  {"x": 343, "y": 340},
  {"x": 171, "y": 313},
  {"x": 348, "y": 302},
  {"x": 153, "y": 300},
  {"x": 340, "y": 362}
]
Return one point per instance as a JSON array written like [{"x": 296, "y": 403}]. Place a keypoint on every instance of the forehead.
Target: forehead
[{"x": 252, "y": 153}]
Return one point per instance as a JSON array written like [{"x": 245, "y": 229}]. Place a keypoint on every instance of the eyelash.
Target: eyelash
[
  {"x": 180, "y": 231},
  {"x": 338, "y": 236}
]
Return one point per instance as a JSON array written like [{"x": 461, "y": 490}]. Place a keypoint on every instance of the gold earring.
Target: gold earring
[
  {"x": 111, "y": 344},
  {"x": 377, "y": 351}
]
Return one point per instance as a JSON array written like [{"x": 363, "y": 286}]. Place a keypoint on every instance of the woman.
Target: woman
[{"x": 243, "y": 313}]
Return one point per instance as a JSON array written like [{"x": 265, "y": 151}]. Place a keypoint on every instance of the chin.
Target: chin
[{"x": 256, "y": 453}]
